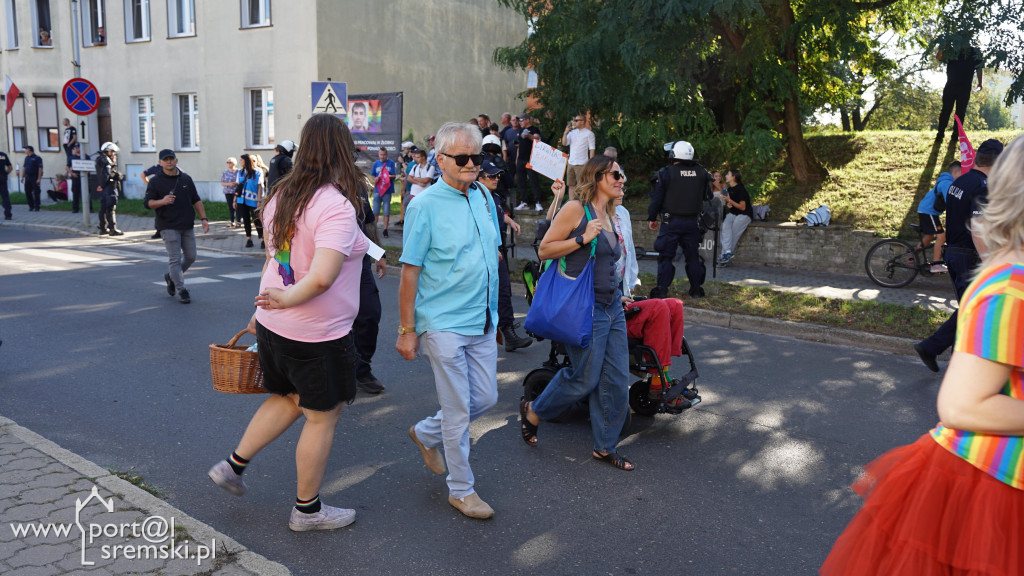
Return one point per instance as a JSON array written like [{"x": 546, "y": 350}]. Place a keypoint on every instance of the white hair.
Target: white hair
[{"x": 452, "y": 133}]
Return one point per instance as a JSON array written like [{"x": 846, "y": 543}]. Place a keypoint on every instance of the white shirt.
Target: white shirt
[
  {"x": 420, "y": 171},
  {"x": 581, "y": 142},
  {"x": 632, "y": 276}
]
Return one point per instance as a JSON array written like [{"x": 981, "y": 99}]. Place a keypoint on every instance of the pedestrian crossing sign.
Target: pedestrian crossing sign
[{"x": 329, "y": 98}]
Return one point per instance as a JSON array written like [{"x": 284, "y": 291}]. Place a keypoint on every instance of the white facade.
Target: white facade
[{"x": 213, "y": 79}]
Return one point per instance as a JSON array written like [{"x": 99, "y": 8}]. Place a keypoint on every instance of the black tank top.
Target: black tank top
[{"x": 606, "y": 287}]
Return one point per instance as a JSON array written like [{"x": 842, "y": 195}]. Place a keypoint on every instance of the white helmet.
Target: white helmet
[
  {"x": 407, "y": 144},
  {"x": 288, "y": 146},
  {"x": 492, "y": 139},
  {"x": 679, "y": 150},
  {"x": 109, "y": 147}
]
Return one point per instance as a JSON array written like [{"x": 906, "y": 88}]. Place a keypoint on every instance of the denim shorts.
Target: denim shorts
[{"x": 323, "y": 374}]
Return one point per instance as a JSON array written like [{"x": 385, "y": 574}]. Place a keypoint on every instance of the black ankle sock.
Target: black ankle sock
[
  {"x": 311, "y": 506},
  {"x": 237, "y": 463}
]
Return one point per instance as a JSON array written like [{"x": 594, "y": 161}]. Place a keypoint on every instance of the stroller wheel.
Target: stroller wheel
[{"x": 640, "y": 401}]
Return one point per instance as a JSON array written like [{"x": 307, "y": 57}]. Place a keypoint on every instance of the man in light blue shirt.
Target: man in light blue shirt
[{"x": 448, "y": 304}]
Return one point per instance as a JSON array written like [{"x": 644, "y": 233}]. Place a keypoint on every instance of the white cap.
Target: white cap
[
  {"x": 491, "y": 139},
  {"x": 288, "y": 146},
  {"x": 407, "y": 144},
  {"x": 109, "y": 147}
]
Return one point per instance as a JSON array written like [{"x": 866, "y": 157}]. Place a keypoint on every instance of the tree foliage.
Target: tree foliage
[{"x": 737, "y": 78}]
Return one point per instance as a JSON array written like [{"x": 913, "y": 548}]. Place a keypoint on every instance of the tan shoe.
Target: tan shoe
[
  {"x": 472, "y": 506},
  {"x": 431, "y": 457}
]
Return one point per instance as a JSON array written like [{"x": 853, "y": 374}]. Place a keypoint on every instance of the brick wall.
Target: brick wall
[{"x": 833, "y": 249}]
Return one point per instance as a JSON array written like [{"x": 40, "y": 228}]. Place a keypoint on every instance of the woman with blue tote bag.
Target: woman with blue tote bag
[{"x": 599, "y": 369}]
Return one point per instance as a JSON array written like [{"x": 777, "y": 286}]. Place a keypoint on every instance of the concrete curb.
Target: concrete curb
[
  {"x": 807, "y": 332},
  {"x": 145, "y": 501}
]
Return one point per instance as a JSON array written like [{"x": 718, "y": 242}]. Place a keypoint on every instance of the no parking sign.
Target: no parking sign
[{"x": 81, "y": 96}]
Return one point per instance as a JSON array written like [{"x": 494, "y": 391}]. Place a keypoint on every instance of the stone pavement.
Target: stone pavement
[
  {"x": 62, "y": 514},
  {"x": 935, "y": 293}
]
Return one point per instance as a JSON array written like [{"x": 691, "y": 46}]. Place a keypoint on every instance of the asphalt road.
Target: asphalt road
[{"x": 97, "y": 358}]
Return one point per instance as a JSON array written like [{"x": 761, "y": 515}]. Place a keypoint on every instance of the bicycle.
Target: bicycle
[{"x": 894, "y": 263}]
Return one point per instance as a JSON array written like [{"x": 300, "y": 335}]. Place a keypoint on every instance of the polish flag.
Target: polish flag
[
  {"x": 966, "y": 150},
  {"x": 11, "y": 92}
]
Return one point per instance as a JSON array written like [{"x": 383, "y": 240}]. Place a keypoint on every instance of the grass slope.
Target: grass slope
[{"x": 876, "y": 179}]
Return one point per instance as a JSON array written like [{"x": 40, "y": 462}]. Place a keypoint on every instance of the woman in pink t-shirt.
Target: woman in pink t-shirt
[{"x": 307, "y": 302}]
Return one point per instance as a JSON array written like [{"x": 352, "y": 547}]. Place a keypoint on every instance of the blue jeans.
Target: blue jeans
[
  {"x": 181, "y": 253},
  {"x": 380, "y": 202},
  {"x": 600, "y": 372},
  {"x": 465, "y": 374}
]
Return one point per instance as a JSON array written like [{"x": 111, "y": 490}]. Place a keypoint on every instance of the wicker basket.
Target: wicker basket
[{"x": 235, "y": 369}]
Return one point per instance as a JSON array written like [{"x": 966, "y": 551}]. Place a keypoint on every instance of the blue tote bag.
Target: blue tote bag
[{"x": 563, "y": 307}]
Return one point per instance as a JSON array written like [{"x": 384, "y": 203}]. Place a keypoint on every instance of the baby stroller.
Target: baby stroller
[{"x": 682, "y": 394}]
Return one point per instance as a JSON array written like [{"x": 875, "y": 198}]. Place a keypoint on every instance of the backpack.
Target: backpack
[
  {"x": 761, "y": 212},
  {"x": 940, "y": 200},
  {"x": 820, "y": 216}
]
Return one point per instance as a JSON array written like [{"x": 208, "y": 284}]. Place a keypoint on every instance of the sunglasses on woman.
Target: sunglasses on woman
[
  {"x": 462, "y": 159},
  {"x": 615, "y": 174}
]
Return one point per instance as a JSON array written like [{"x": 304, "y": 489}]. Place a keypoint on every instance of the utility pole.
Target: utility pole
[{"x": 83, "y": 152}]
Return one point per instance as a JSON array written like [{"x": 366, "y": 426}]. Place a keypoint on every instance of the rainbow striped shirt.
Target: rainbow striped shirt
[{"x": 991, "y": 326}]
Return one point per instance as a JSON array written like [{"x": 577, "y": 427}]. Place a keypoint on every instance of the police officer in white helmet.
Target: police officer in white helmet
[
  {"x": 108, "y": 180},
  {"x": 281, "y": 163},
  {"x": 680, "y": 191}
]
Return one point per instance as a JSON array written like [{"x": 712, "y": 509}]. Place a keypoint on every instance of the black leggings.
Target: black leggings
[{"x": 248, "y": 216}]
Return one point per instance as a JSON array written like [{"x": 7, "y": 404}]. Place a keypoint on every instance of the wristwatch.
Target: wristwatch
[
  {"x": 403, "y": 330},
  {"x": 579, "y": 240}
]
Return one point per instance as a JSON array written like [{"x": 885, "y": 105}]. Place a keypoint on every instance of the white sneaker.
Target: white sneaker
[
  {"x": 328, "y": 518},
  {"x": 224, "y": 476},
  {"x": 939, "y": 269},
  {"x": 522, "y": 206},
  {"x": 539, "y": 208}
]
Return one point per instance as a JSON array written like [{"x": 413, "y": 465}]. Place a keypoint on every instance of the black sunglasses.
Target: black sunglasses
[
  {"x": 615, "y": 174},
  {"x": 462, "y": 159},
  {"x": 491, "y": 176}
]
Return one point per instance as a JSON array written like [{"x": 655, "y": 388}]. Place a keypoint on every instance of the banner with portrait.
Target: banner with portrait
[{"x": 375, "y": 121}]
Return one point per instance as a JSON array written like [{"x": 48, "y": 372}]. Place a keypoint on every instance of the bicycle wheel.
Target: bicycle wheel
[{"x": 891, "y": 263}]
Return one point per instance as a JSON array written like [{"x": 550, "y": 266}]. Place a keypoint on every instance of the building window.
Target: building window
[
  {"x": 531, "y": 78},
  {"x": 11, "y": 8},
  {"x": 181, "y": 18},
  {"x": 255, "y": 13},
  {"x": 188, "y": 121},
  {"x": 46, "y": 121},
  {"x": 260, "y": 104},
  {"x": 136, "y": 20},
  {"x": 94, "y": 22},
  {"x": 41, "y": 24},
  {"x": 143, "y": 123},
  {"x": 18, "y": 124}
]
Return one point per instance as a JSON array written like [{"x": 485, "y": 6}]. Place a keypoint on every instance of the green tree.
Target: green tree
[
  {"x": 992, "y": 112},
  {"x": 738, "y": 78}
]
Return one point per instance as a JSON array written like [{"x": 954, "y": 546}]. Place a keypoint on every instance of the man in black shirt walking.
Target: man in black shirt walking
[
  {"x": 964, "y": 200},
  {"x": 174, "y": 197}
]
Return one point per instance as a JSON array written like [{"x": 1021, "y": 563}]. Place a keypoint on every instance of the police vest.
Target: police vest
[{"x": 684, "y": 189}]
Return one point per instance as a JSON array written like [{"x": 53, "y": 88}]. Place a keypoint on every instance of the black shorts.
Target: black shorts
[
  {"x": 930, "y": 224},
  {"x": 323, "y": 374}
]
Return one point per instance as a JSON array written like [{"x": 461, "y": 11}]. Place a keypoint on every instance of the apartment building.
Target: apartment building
[{"x": 218, "y": 78}]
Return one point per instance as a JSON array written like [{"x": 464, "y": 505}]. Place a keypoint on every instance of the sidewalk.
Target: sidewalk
[
  {"x": 65, "y": 515},
  {"x": 933, "y": 293}
]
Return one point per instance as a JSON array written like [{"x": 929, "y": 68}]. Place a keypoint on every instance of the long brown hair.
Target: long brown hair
[
  {"x": 325, "y": 157},
  {"x": 586, "y": 188}
]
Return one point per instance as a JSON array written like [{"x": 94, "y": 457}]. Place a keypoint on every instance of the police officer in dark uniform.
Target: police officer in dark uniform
[
  {"x": 678, "y": 199},
  {"x": 109, "y": 181},
  {"x": 964, "y": 200},
  {"x": 281, "y": 163},
  {"x": 367, "y": 322},
  {"x": 5, "y": 198}
]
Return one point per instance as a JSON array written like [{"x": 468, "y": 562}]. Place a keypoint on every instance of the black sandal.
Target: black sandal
[
  {"x": 528, "y": 429},
  {"x": 615, "y": 459}
]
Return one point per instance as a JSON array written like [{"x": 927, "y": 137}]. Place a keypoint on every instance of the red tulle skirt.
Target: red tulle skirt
[{"x": 927, "y": 511}]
